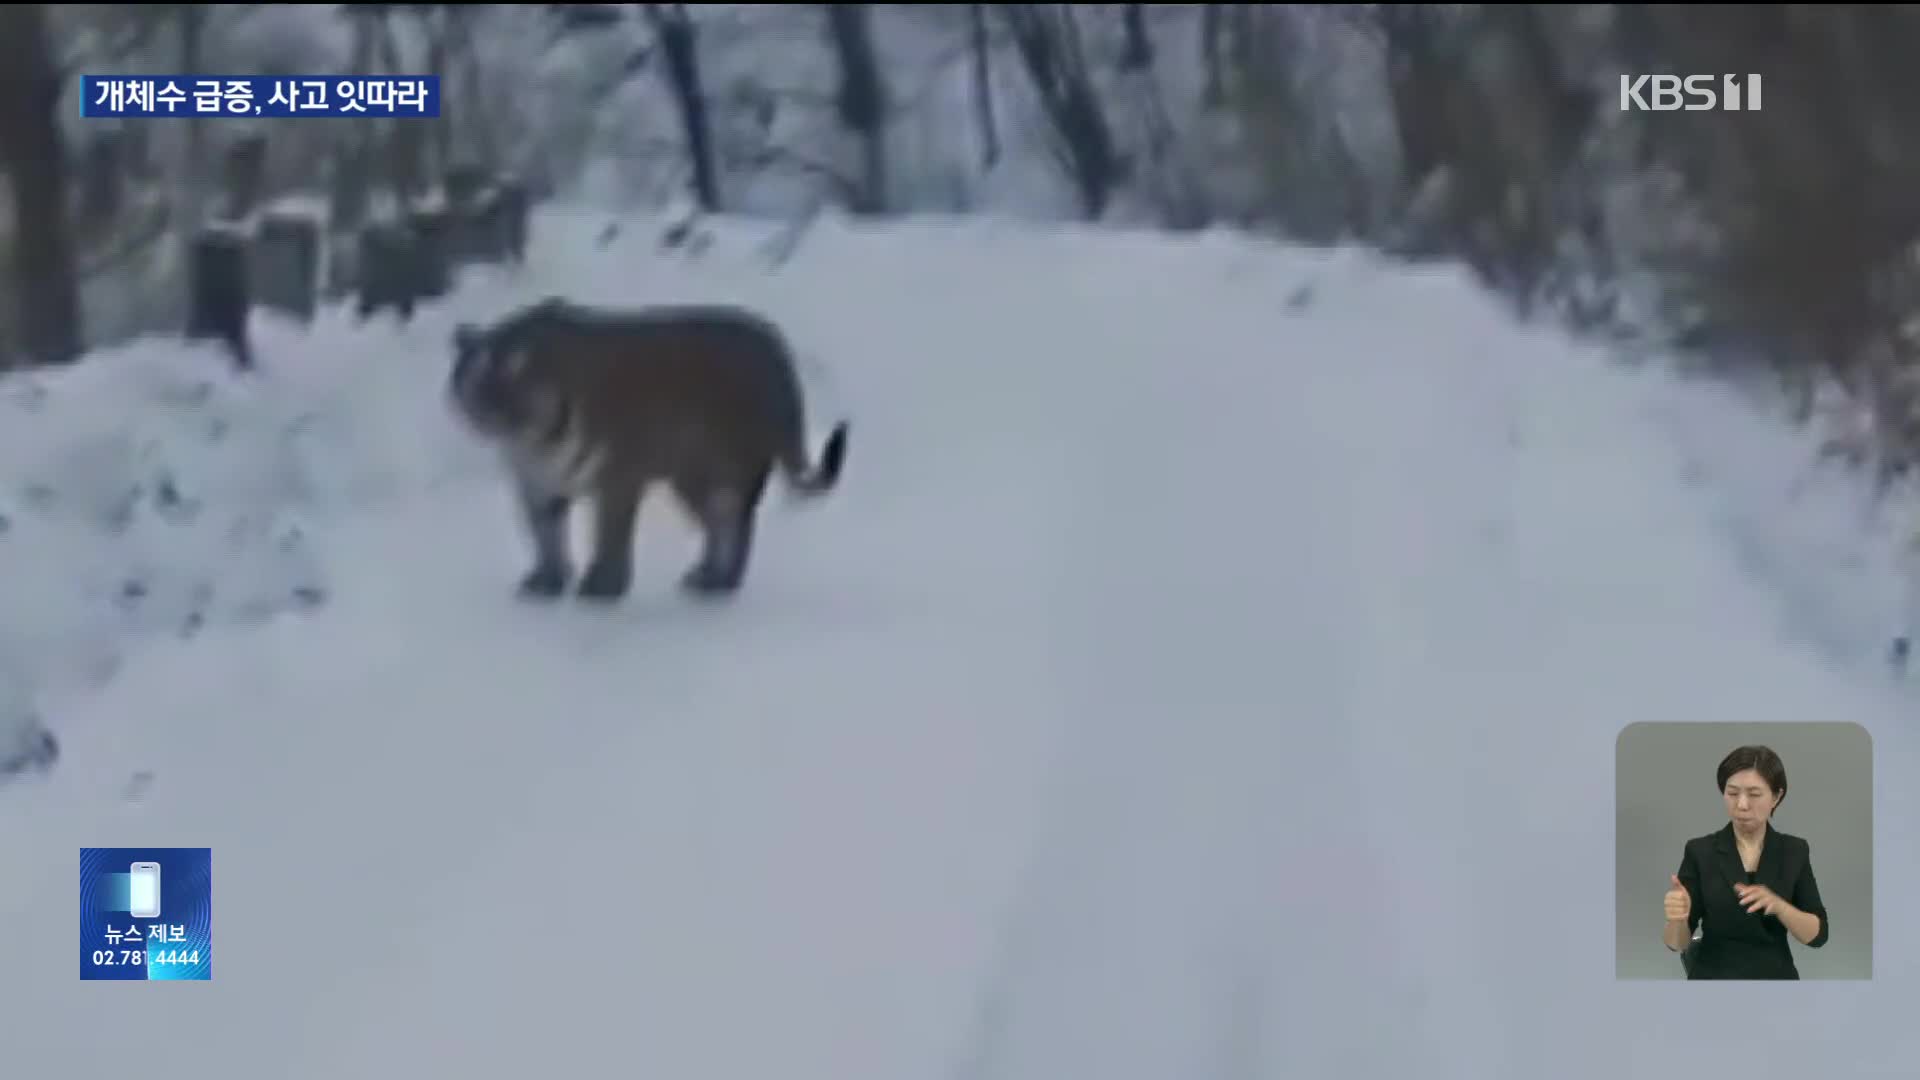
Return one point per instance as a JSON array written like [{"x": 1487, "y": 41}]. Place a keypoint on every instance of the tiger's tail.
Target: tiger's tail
[{"x": 820, "y": 476}]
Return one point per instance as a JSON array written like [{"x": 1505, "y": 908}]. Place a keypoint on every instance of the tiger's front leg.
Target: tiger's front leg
[
  {"x": 616, "y": 506},
  {"x": 546, "y": 520}
]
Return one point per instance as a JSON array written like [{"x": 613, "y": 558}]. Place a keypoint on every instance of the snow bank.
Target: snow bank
[
  {"x": 1833, "y": 553},
  {"x": 149, "y": 492}
]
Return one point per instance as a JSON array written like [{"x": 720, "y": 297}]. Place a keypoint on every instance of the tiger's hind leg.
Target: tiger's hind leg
[
  {"x": 725, "y": 510},
  {"x": 608, "y": 576},
  {"x": 546, "y": 520}
]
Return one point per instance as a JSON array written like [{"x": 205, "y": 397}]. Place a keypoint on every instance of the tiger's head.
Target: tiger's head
[{"x": 488, "y": 386}]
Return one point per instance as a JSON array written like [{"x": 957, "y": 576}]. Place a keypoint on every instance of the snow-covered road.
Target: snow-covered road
[{"x": 1179, "y": 686}]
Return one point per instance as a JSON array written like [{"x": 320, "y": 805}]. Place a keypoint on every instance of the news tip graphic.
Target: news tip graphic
[
  {"x": 108, "y": 96},
  {"x": 146, "y": 913}
]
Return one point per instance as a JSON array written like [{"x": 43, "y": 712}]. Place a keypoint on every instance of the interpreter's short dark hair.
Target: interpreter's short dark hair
[{"x": 1760, "y": 759}]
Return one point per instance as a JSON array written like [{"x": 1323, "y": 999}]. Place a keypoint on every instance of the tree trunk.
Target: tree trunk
[
  {"x": 862, "y": 101},
  {"x": 194, "y": 173},
  {"x": 473, "y": 134},
  {"x": 406, "y": 139},
  {"x": 1214, "y": 92},
  {"x": 351, "y": 190},
  {"x": 983, "y": 87},
  {"x": 680, "y": 44},
  {"x": 437, "y": 25},
  {"x": 1137, "y": 53},
  {"x": 246, "y": 175},
  {"x": 1049, "y": 45},
  {"x": 46, "y": 294},
  {"x": 103, "y": 172}
]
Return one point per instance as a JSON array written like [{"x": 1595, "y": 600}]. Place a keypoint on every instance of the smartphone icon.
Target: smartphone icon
[{"x": 144, "y": 890}]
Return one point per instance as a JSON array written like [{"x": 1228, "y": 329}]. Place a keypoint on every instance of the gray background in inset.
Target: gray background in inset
[{"x": 1664, "y": 795}]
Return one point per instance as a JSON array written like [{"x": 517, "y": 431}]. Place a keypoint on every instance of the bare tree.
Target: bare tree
[
  {"x": 1418, "y": 78},
  {"x": 1474, "y": 188},
  {"x": 245, "y": 175},
  {"x": 1811, "y": 199},
  {"x": 1308, "y": 181},
  {"x": 190, "y": 23},
  {"x": 437, "y": 24},
  {"x": 1214, "y": 90},
  {"x": 104, "y": 37},
  {"x": 46, "y": 294},
  {"x": 351, "y": 190},
  {"x": 983, "y": 85},
  {"x": 470, "y": 131},
  {"x": 1525, "y": 196},
  {"x": 1137, "y": 52},
  {"x": 406, "y": 141},
  {"x": 103, "y": 173},
  {"x": 862, "y": 101},
  {"x": 679, "y": 40},
  {"x": 1048, "y": 41}
]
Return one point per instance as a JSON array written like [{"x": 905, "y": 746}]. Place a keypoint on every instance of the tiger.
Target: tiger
[{"x": 592, "y": 403}]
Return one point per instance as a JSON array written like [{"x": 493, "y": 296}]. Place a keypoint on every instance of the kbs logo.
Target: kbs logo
[{"x": 1694, "y": 93}]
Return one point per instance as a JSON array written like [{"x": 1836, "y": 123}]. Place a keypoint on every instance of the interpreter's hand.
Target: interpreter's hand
[
  {"x": 1761, "y": 900},
  {"x": 1679, "y": 904}
]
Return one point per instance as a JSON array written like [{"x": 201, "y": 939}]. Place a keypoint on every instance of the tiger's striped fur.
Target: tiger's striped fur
[{"x": 591, "y": 404}]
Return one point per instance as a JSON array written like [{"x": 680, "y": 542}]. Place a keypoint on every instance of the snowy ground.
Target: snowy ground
[{"x": 1181, "y": 685}]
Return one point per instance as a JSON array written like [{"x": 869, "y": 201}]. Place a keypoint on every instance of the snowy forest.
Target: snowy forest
[{"x": 1777, "y": 244}]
